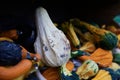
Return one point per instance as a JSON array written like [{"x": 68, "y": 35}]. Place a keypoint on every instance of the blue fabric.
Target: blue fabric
[{"x": 10, "y": 53}]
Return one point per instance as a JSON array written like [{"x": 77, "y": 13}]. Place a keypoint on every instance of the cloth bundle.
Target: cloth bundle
[{"x": 51, "y": 43}]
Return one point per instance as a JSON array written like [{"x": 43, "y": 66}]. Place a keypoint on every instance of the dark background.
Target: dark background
[{"x": 100, "y": 11}]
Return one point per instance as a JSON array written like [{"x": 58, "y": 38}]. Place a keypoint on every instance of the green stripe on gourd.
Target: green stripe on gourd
[
  {"x": 104, "y": 38},
  {"x": 116, "y": 58},
  {"x": 88, "y": 69},
  {"x": 78, "y": 53},
  {"x": 66, "y": 74},
  {"x": 108, "y": 41}
]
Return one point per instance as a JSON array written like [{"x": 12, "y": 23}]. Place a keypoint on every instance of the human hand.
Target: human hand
[{"x": 36, "y": 56}]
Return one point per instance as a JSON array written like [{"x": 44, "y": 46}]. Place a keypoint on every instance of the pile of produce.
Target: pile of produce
[{"x": 95, "y": 52}]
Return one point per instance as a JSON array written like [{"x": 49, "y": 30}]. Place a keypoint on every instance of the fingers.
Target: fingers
[{"x": 36, "y": 56}]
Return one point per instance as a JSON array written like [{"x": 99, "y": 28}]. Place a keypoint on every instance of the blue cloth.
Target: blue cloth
[{"x": 10, "y": 53}]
